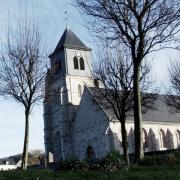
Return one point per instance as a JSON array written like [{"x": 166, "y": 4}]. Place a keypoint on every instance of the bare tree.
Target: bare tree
[
  {"x": 172, "y": 98},
  {"x": 141, "y": 26},
  {"x": 115, "y": 76},
  {"x": 22, "y": 71}
]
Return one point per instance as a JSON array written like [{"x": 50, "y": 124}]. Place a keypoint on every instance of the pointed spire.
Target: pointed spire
[{"x": 69, "y": 39}]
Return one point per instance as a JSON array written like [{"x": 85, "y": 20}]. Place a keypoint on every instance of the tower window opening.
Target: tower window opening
[
  {"x": 96, "y": 83},
  {"x": 76, "y": 64},
  {"x": 59, "y": 96},
  {"x": 82, "y": 64},
  {"x": 79, "y": 91},
  {"x": 57, "y": 66}
]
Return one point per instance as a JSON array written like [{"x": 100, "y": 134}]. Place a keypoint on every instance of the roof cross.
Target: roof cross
[{"x": 66, "y": 18}]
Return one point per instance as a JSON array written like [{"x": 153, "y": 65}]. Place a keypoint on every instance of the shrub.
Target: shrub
[
  {"x": 113, "y": 161},
  {"x": 94, "y": 164},
  {"x": 73, "y": 164}
]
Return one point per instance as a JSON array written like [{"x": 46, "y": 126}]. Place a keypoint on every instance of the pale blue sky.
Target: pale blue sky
[{"x": 51, "y": 18}]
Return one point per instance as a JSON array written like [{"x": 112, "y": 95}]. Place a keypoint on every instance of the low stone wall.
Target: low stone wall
[
  {"x": 161, "y": 152},
  {"x": 7, "y": 167}
]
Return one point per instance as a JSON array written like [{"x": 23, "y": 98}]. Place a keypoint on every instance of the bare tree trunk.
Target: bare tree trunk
[
  {"x": 26, "y": 141},
  {"x": 125, "y": 143},
  {"x": 139, "y": 154}
]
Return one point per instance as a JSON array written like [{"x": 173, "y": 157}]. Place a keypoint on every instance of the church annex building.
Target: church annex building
[{"x": 74, "y": 120}]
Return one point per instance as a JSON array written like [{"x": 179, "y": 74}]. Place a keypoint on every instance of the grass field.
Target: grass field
[{"x": 134, "y": 173}]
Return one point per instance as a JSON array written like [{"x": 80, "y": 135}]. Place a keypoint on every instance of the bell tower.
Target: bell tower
[
  {"x": 72, "y": 59},
  {"x": 70, "y": 71}
]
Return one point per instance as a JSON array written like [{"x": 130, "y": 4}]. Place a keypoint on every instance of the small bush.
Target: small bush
[
  {"x": 113, "y": 161},
  {"x": 74, "y": 164},
  {"x": 94, "y": 164}
]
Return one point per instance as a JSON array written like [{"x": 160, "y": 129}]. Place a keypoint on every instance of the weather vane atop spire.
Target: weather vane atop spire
[{"x": 66, "y": 17}]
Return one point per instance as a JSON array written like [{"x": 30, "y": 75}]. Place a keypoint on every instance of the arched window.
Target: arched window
[
  {"x": 131, "y": 141},
  {"x": 59, "y": 96},
  {"x": 152, "y": 140},
  {"x": 162, "y": 139},
  {"x": 76, "y": 65},
  {"x": 50, "y": 157},
  {"x": 82, "y": 64},
  {"x": 79, "y": 90},
  {"x": 145, "y": 139},
  {"x": 57, "y": 66},
  {"x": 64, "y": 98},
  {"x": 169, "y": 140},
  {"x": 178, "y": 138},
  {"x": 55, "y": 96},
  {"x": 90, "y": 152},
  {"x": 96, "y": 83}
]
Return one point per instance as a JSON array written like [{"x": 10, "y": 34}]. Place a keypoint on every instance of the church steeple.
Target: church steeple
[
  {"x": 69, "y": 40},
  {"x": 71, "y": 56},
  {"x": 70, "y": 71}
]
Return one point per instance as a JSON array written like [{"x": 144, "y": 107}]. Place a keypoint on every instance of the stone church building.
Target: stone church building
[{"x": 74, "y": 120}]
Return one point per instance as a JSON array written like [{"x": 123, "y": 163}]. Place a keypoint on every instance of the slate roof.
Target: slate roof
[
  {"x": 13, "y": 160},
  {"x": 162, "y": 113},
  {"x": 69, "y": 39}
]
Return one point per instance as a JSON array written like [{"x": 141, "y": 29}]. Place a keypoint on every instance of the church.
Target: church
[{"x": 74, "y": 120}]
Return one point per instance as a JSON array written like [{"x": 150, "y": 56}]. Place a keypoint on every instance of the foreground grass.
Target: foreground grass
[{"x": 135, "y": 173}]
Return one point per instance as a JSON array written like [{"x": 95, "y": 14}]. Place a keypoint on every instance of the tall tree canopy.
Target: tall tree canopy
[
  {"x": 22, "y": 71},
  {"x": 114, "y": 74},
  {"x": 141, "y": 26},
  {"x": 173, "y": 94}
]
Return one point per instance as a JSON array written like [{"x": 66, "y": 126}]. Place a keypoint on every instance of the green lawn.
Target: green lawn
[{"x": 134, "y": 173}]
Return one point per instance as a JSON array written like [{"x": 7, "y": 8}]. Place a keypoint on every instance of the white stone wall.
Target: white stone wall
[
  {"x": 91, "y": 128},
  {"x": 150, "y": 128},
  {"x": 7, "y": 167},
  {"x": 72, "y": 83}
]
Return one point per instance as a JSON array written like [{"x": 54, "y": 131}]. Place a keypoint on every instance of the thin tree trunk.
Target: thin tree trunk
[
  {"x": 139, "y": 154},
  {"x": 124, "y": 142},
  {"x": 26, "y": 142}
]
